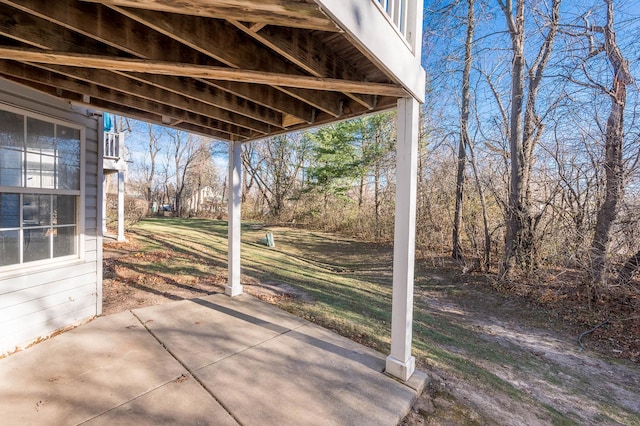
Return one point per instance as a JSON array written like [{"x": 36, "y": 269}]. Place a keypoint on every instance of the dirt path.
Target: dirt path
[{"x": 546, "y": 364}]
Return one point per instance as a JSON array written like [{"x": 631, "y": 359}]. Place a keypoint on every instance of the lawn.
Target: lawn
[{"x": 493, "y": 360}]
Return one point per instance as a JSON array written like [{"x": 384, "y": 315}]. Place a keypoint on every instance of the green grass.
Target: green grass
[{"x": 347, "y": 284}]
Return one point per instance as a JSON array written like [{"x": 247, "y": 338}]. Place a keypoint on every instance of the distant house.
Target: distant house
[
  {"x": 204, "y": 200},
  {"x": 234, "y": 70}
]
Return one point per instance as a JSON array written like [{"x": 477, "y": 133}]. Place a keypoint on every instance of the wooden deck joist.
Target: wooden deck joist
[{"x": 236, "y": 69}]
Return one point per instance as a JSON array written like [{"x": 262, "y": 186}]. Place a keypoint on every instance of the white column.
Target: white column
[
  {"x": 400, "y": 363},
  {"x": 234, "y": 287},
  {"x": 121, "y": 206}
]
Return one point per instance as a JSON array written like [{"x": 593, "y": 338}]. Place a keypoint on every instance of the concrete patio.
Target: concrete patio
[{"x": 214, "y": 360}]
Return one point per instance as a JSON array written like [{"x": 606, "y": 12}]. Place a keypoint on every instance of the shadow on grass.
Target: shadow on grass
[{"x": 350, "y": 285}]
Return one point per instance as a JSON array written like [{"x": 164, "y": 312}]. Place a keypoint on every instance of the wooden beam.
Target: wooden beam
[
  {"x": 37, "y": 32},
  {"x": 232, "y": 49},
  {"x": 290, "y": 120},
  {"x": 141, "y": 89},
  {"x": 208, "y": 94},
  {"x": 108, "y": 26},
  {"x": 288, "y": 13},
  {"x": 120, "y": 109},
  {"x": 47, "y": 35},
  {"x": 103, "y": 105},
  {"x": 268, "y": 97},
  {"x": 351, "y": 110},
  {"x": 332, "y": 105},
  {"x": 310, "y": 54},
  {"x": 257, "y": 27},
  {"x": 200, "y": 71},
  {"x": 43, "y": 77}
]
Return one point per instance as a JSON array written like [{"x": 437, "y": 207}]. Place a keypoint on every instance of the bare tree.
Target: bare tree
[
  {"x": 525, "y": 129},
  {"x": 202, "y": 181},
  {"x": 183, "y": 148},
  {"x": 614, "y": 139},
  {"x": 464, "y": 132},
  {"x": 150, "y": 168},
  {"x": 274, "y": 166}
]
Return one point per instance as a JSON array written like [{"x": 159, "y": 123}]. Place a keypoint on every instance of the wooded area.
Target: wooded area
[{"x": 529, "y": 149}]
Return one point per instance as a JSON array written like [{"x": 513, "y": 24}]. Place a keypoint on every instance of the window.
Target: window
[{"x": 39, "y": 188}]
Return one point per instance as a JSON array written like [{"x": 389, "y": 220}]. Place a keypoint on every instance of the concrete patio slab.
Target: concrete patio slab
[
  {"x": 297, "y": 378},
  {"x": 79, "y": 374},
  {"x": 183, "y": 401},
  {"x": 254, "y": 310},
  {"x": 199, "y": 332},
  {"x": 213, "y": 360}
]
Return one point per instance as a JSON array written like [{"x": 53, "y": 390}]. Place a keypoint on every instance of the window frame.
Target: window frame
[{"x": 30, "y": 266}]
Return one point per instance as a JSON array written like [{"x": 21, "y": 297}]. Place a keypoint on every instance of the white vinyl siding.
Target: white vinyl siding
[{"x": 40, "y": 298}]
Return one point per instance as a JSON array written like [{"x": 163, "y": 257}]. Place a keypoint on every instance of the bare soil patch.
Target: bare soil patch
[
  {"x": 551, "y": 368},
  {"x": 131, "y": 280}
]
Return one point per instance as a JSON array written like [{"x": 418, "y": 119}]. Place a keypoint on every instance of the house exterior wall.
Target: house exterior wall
[{"x": 37, "y": 300}]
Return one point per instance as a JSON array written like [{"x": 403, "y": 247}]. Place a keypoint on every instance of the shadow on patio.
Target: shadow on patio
[{"x": 211, "y": 360}]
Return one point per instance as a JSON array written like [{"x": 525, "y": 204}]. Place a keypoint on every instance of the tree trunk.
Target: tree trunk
[
  {"x": 464, "y": 134},
  {"x": 629, "y": 268},
  {"x": 524, "y": 133},
  {"x": 614, "y": 138},
  {"x": 377, "y": 200},
  {"x": 485, "y": 213},
  {"x": 517, "y": 210}
]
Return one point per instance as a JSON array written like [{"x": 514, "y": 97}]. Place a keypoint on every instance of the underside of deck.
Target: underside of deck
[{"x": 234, "y": 70}]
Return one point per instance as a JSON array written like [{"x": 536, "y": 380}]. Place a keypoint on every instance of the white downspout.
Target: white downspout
[{"x": 121, "y": 193}]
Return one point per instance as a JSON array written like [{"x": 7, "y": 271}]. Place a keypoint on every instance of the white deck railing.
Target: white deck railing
[
  {"x": 402, "y": 15},
  {"x": 113, "y": 145}
]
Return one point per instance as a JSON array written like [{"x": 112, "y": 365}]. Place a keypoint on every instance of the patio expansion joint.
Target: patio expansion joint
[
  {"x": 289, "y": 330},
  {"x": 125, "y": 402},
  {"x": 186, "y": 368}
]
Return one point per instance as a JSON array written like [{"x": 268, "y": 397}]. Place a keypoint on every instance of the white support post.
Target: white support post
[
  {"x": 121, "y": 206},
  {"x": 234, "y": 288},
  {"x": 400, "y": 363}
]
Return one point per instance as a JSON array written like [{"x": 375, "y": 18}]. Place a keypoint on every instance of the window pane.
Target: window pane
[
  {"x": 40, "y": 153},
  {"x": 10, "y": 166},
  {"x": 68, "y": 151},
  {"x": 40, "y": 135},
  {"x": 47, "y": 170},
  {"x": 64, "y": 241},
  {"x": 9, "y": 248},
  {"x": 33, "y": 170},
  {"x": 9, "y": 210},
  {"x": 64, "y": 210},
  {"x": 36, "y": 210},
  {"x": 69, "y": 177},
  {"x": 11, "y": 129},
  {"x": 36, "y": 244},
  {"x": 11, "y": 146}
]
